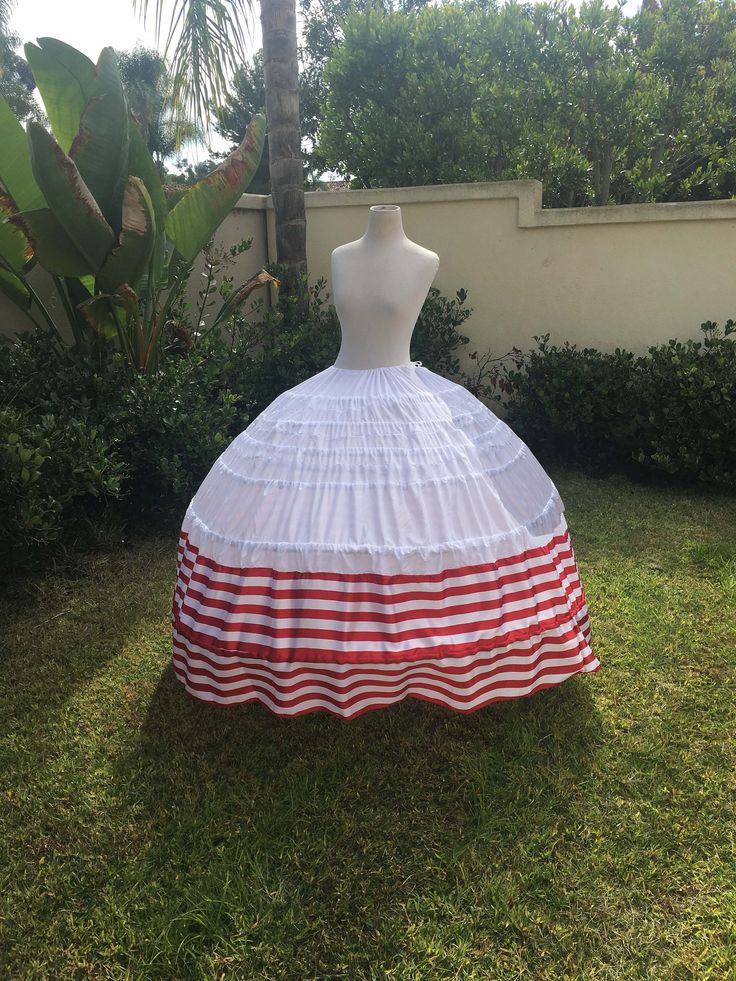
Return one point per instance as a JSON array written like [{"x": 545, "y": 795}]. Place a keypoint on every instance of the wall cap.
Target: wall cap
[{"x": 528, "y": 193}]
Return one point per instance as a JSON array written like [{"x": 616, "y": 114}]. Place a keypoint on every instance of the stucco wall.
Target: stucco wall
[{"x": 619, "y": 276}]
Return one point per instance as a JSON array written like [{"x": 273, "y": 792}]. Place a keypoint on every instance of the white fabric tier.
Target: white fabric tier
[{"x": 390, "y": 470}]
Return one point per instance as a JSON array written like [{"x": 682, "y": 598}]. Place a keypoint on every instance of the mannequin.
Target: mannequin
[
  {"x": 380, "y": 282},
  {"x": 376, "y": 533}
]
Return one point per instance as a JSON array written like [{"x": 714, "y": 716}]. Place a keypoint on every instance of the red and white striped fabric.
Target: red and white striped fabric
[{"x": 353, "y": 547}]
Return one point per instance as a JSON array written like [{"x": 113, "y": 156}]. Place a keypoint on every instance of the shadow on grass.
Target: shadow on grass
[
  {"x": 248, "y": 736},
  {"x": 61, "y": 629},
  {"x": 327, "y": 833}
]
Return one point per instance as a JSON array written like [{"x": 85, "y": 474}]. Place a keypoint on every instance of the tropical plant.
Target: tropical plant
[{"x": 86, "y": 203}]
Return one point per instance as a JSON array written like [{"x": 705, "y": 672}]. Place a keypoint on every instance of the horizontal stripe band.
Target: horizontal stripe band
[
  {"x": 373, "y": 577},
  {"x": 198, "y": 600},
  {"x": 564, "y": 620},
  {"x": 556, "y": 644},
  {"x": 372, "y": 686},
  {"x": 354, "y": 635},
  {"x": 517, "y": 664},
  {"x": 474, "y": 584},
  {"x": 310, "y": 703}
]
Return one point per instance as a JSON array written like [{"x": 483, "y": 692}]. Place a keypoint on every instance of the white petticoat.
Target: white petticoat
[{"x": 374, "y": 535}]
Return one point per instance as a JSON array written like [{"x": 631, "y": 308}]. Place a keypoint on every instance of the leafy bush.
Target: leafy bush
[
  {"x": 437, "y": 336},
  {"x": 164, "y": 429},
  {"x": 294, "y": 339},
  {"x": 39, "y": 374},
  {"x": 170, "y": 426},
  {"x": 670, "y": 412},
  {"x": 688, "y": 391},
  {"x": 577, "y": 406},
  {"x": 50, "y": 468}
]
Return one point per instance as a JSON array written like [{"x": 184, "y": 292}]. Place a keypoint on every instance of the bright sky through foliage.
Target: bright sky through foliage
[{"x": 90, "y": 25}]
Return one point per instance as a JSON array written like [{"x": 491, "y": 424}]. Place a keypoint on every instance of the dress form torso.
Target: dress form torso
[{"x": 380, "y": 282}]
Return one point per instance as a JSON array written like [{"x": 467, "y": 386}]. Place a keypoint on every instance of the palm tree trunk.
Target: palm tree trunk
[{"x": 278, "y": 24}]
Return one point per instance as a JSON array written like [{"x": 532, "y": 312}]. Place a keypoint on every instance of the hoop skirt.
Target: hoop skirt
[{"x": 373, "y": 535}]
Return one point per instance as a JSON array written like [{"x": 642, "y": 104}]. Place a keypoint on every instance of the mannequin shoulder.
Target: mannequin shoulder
[
  {"x": 427, "y": 257},
  {"x": 345, "y": 251}
]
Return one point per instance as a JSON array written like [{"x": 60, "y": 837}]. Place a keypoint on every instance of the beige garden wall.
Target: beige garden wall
[{"x": 619, "y": 276}]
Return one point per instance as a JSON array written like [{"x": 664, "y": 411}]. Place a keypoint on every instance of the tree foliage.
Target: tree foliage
[
  {"x": 205, "y": 43},
  {"x": 147, "y": 83},
  {"x": 16, "y": 78},
  {"x": 601, "y": 107}
]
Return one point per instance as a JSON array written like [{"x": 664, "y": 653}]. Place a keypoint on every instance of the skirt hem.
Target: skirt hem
[{"x": 590, "y": 667}]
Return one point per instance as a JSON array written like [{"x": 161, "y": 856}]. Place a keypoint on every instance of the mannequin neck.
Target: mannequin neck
[{"x": 384, "y": 225}]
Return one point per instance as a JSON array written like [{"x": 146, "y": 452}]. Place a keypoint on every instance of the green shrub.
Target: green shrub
[
  {"x": 165, "y": 428},
  {"x": 688, "y": 391},
  {"x": 293, "y": 340},
  {"x": 171, "y": 425},
  {"x": 437, "y": 336},
  {"x": 577, "y": 406},
  {"x": 50, "y": 468},
  {"x": 38, "y": 374},
  {"x": 670, "y": 412}
]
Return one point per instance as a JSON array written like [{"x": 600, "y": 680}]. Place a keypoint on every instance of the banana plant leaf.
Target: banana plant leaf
[
  {"x": 140, "y": 164},
  {"x": 64, "y": 77},
  {"x": 69, "y": 198},
  {"x": 100, "y": 148},
  {"x": 99, "y": 312},
  {"x": 129, "y": 260},
  {"x": 195, "y": 219},
  {"x": 15, "y": 162},
  {"x": 175, "y": 194},
  {"x": 15, "y": 289},
  {"x": 53, "y": 248}
]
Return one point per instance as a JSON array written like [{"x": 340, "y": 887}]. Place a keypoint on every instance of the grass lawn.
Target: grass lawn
[{"x": 584, "y": 832}]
